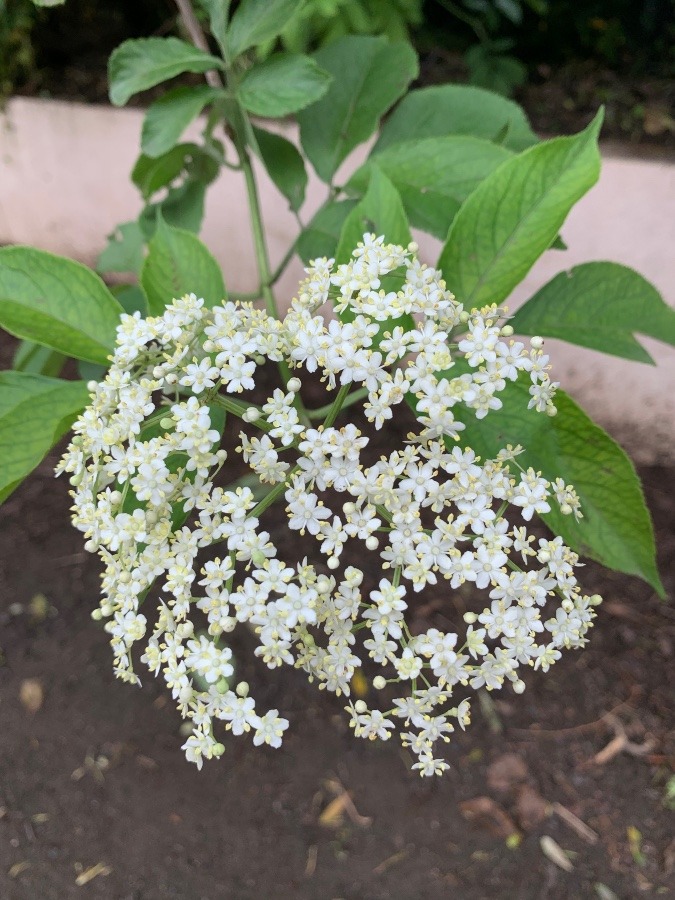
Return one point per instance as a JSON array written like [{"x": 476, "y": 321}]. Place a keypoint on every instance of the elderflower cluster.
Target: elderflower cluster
[{"x": 152, "y": 497}]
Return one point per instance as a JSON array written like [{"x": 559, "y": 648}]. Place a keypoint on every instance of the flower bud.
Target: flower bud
[
  {"x": 258, "y": 558},
  {"x": 518, "y": 686},
  {"x": 379, "y": 682},
  {"x": 294, "y": 385},
  {"x": 470, "y": 618},
  {"x": 333, "y": 562},
  {"x": 372, "y": 542},
  {"x": 251, "y": 414},
  {"x": 507, "y": 330},
  {"x": 360, "y": 706},
  {"x": 242, "y": 689},
  {"x": 537, "y": 342},
  {"x": 186, "y": 694}
]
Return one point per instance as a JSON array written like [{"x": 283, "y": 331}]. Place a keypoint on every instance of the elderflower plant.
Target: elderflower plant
[{"x": 151, "y": 496}]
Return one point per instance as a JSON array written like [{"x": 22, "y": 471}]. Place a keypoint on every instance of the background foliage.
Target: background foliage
[{"x": 502, "y": 41}]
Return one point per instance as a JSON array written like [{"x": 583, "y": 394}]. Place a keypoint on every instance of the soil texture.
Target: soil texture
[{"x": 559, "y": 793}]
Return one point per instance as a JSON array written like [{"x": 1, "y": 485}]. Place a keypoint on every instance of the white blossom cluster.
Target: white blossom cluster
[{"x": 146, "y": 457}]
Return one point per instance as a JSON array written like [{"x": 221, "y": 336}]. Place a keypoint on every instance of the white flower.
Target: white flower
[
  {"x": 239, "y": 713},
  {"x": 208, "y": 660},
  {"x": 305, "y": 512},
  {"x": 150, "y": 496},
  {"x": 269, "y": 729},
  {"x": 427, "y": 765},
  {"x": 408, "y": 666},
  {"x": 199, "y": 376}
]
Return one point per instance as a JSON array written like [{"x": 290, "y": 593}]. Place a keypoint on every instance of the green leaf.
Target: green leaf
[
  {"x": 168, "y": 117},
  {"x": 370, "y": 75},
  {"x": 257, "y": 21},
  {"x": 58, "y": 303},
  {"x": 218, "y": 12},
  {"x": 284, "y": 165},
  {"x": 283, "y": 84},
  {"x": 34, "y": 413},
  {"x": 494, "y": 71},
  {"x": 151, "y": 174},
  {"x": 124, "y": 252},
  {"x": 457, "y": 109},
  {"x": 178, "y": 263},
  {"x": 38, "y": 360},
  {"x": 142, "y": 63},
  {"x": 434, "y": 176},
  {"x": 131, "y": 298},
  {"x": 514, "y": 215},
  {"x": 600, "y": 305},
  {"x": 90, "y": 371},
  {"x": 380, "y": 212},
  {"x": 183, "y": 207},
  {"x": 320, "y": 237},
  {"x": 511, "y": 9},
  {"x": 616, "y": 529}
]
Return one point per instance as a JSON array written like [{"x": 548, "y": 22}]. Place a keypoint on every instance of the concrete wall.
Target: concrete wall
[{"x": 64, "y": 185}]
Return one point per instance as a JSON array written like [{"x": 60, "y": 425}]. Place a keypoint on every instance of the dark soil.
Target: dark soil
[{"x": 97, "y": 800}]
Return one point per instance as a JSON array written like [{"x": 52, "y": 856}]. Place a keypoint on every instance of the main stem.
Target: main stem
[
  {"x": 194, "y": 30},
  {"x": 262, "y": 258},
  {"x": 238, "y": 134},
  {"x": 259, "y": 242}
]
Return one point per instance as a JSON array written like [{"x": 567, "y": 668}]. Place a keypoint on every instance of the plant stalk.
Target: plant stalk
[{"x": 197, "y": 36}]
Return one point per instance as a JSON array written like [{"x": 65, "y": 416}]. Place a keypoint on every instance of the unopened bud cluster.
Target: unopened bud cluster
[{"x": 146, "y": 456}]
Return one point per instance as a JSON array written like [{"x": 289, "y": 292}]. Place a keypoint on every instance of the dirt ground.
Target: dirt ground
[{"x": 97, "y": 800}]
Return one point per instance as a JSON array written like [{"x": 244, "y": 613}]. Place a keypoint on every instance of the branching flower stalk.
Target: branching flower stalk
[{"x": 143, "y": 465}]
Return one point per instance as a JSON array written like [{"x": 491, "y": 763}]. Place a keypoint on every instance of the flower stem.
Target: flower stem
[
  {"x": 196, "y": 35},
  {"x": 262, "y": 256},
  {"x": 322, "y": 411},
  {"x": 336, "y": 406},
  {"x": 238, "y": 133}
]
